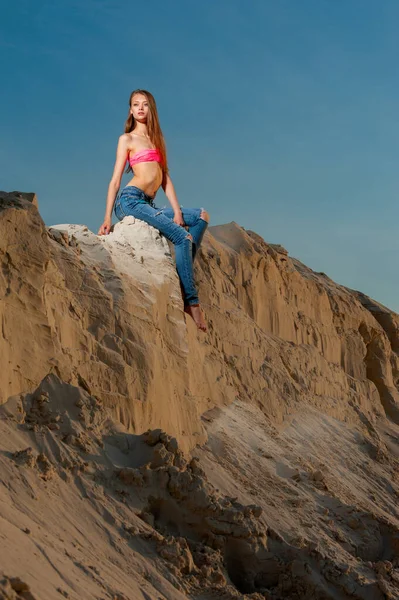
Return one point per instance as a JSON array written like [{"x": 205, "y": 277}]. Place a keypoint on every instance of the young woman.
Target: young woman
[{"x": 143, "y": 146}]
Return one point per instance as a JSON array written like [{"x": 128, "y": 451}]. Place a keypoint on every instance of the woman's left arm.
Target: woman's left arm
[{"x": 170, "y": 193}]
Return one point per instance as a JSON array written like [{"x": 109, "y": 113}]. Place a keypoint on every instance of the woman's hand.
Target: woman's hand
[
  {"x": 105, "y": 227},
  {"x": 178, "y": 218}
]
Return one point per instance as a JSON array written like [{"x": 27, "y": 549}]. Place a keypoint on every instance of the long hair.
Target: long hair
[{"x": 153, "y": 127}]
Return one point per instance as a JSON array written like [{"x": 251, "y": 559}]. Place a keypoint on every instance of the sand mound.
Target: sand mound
[
  {"x": 141, "y": 459},
  {"x": 96, "y": 499}
]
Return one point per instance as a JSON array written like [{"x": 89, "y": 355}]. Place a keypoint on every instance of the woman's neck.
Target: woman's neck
[{"x": 141, "y": 130}]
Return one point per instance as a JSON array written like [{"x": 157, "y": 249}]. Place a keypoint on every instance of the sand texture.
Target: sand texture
[{"x": 143, "y": 459}]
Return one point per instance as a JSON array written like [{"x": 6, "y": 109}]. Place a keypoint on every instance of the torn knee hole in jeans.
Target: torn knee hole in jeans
[
  {"x": 204, "y": 215},
  {"x": 189, "y": 237},
  {"x": 159, "y": 212}
]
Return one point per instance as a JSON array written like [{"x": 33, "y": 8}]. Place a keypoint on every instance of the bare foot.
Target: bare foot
[{"x": 195, "y": 312}]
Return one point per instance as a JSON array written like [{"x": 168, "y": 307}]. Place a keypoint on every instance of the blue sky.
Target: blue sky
[{"x": 278, "y": 114}]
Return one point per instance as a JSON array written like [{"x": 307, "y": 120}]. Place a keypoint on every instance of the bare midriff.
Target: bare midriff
[{"x": 147, "y": 176}]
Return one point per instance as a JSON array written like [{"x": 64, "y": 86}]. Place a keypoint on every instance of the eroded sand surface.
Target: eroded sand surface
[{"x": 142, "y": 459}]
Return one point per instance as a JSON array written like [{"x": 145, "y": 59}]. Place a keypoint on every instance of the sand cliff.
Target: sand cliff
[{"x": 270, "y": 464}]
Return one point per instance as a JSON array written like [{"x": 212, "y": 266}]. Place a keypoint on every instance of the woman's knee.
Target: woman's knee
[
  {"x": 204, "y": 215},
  {"x": 182, "y": 237}
]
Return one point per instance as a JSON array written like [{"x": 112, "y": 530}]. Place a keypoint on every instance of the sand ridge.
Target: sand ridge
[{"x": 140, "y": 459}]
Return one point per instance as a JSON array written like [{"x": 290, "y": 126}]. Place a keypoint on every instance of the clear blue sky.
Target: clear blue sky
[{"x": 281, "y": 115}]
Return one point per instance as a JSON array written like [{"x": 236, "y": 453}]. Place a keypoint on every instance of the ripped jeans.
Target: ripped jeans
[{"x": 133, "y": 201}]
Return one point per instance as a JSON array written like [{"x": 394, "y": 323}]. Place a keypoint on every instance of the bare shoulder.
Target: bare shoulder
[{"x": 124, "y": 139}]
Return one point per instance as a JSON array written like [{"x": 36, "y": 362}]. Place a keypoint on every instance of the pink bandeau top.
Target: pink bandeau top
[{"x": 147, "y": 155}]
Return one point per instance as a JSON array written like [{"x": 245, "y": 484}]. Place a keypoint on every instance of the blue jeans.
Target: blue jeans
[{"x": 133, "y": 201}]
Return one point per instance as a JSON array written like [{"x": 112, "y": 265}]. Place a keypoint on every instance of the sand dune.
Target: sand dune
[{"x": 142, "y": 459}]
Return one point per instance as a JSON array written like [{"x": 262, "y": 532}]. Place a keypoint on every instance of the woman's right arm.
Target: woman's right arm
[{"x": 114, "y": 184}]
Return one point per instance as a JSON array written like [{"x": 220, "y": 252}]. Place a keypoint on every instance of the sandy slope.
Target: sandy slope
[
  {"x": 328, "y": 489},
  {"x": 89, "y": 510},
  {"x": 290, "y": 406}
]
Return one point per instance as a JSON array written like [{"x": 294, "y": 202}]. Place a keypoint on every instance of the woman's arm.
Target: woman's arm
[
  {"x": 114, "y": 184},
  {"x": 170, "y": 193}
]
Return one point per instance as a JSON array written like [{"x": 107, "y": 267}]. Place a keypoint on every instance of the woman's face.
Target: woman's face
[{"x": 139, "y": 107}]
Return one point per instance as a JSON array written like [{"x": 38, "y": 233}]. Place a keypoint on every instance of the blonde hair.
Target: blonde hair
[{"x": 153, "y": 127}]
